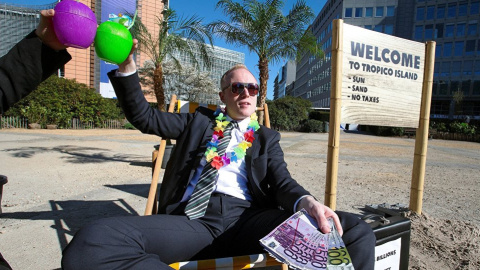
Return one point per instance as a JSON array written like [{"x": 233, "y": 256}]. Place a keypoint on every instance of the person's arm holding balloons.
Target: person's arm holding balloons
[
  {"x": 31, "y": 61},
  {"x": 42, "y": 52}
]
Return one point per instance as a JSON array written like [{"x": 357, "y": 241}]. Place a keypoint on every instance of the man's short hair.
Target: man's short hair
[{"x": 223, "y": 80}]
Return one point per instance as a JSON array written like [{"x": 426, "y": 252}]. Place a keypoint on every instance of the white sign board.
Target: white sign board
[
  {"x": 382, "y": 78},
  {"x": 387, "y": 256}
]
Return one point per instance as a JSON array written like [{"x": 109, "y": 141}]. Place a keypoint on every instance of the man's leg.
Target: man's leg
[
  {"x": 140, "y": 242},
  {"x": 359, "y": 238}
]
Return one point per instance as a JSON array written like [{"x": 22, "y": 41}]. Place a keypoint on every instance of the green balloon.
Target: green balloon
[{"x": 113, "y": 42}]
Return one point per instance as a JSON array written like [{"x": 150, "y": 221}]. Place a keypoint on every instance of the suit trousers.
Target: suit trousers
[{"x": 230, "y": 227}]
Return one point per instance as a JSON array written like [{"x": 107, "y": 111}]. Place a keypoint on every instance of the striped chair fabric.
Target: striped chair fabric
[
  {"x": 230, "y": 263},
  {"x": 184, "y": 106}
]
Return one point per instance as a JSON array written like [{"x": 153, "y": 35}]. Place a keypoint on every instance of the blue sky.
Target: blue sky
[{"x": 207, "y": 11}]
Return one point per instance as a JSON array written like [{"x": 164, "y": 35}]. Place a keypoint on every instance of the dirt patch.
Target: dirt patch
[
  {"x": 451, "y": 243},
  {"x": 90, "y": 174}
]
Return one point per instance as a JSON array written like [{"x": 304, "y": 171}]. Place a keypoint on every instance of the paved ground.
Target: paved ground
[{"x": 60, "y": 180}]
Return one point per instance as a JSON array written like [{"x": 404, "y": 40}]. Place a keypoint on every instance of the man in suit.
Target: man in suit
[
  {"x": 245, "y": 200},
  {"x": 27, "y": 64}
]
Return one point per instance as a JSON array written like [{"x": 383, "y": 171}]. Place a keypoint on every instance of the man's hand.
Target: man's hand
[
  {"x": 45, "y": 30},
  {"x": 129, "y": 65},
  {"x": 320, "y": 212}
]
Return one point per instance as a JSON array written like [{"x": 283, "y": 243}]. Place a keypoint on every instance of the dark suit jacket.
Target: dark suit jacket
[
  {"x": 25, "y": 66},
  {"x": 268, "y": 178}
]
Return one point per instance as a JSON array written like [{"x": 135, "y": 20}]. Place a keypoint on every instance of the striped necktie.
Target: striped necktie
[{"x": 198, "y": 202}]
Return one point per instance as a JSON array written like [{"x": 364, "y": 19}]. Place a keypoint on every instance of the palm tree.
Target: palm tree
[
  {"x": 267, "y": 32},
  {"x": 175, "y": 36}
]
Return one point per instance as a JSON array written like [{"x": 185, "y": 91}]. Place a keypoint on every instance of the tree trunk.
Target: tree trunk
[
  {"x": 263, "y": 67},
  {"x": 158, "y": 87}
]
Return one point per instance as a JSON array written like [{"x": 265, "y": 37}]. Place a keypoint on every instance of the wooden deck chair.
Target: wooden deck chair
[{"x": 239, "y": 262}]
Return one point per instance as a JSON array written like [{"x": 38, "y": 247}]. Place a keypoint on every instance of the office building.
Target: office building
[
  {"x": 284, "y": 79},
  {"x": 454, "y": 25}
]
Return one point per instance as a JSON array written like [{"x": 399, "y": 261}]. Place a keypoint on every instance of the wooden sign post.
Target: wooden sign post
[
  {"x": 421, "y": 136},
  {"x": 378, "y": 79},
  {"x": 335, "y": 105}
]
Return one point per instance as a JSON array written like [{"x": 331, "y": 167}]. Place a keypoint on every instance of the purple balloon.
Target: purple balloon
[{"x": 75, "y": 24}]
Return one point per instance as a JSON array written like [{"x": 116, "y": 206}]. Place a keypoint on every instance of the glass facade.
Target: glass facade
[
  {"x": 456, "y": 34},
  {"x": 453, "y": 25},
  {"x": 21, "y": 19},
  {"x": 313, "y": 75}
]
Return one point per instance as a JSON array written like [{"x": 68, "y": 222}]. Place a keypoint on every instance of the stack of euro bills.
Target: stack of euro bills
[{"x": 299, "y": 243}]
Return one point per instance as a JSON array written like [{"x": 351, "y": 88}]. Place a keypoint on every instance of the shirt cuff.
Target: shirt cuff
[
  {"x": 299, "y": 199},
  {"x": 123, "y": 74}
]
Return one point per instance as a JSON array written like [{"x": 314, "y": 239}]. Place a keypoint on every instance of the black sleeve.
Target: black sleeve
[
  {"x": 25, "y": 66},
  {"x": 139, "y": 113}
]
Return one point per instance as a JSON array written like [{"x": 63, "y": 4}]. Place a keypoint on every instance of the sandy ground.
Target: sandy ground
[{"x": 61, "y": 179}]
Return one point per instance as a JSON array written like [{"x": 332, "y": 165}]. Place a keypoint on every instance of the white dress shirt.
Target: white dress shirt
[{"x": 232, "y": 178}]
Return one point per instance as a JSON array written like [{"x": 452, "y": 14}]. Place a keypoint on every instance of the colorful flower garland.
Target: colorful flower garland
[{"x": 238, "y": 152}]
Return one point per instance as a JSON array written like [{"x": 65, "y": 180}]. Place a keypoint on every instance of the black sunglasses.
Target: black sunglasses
[{"x": 238, "y": 88}]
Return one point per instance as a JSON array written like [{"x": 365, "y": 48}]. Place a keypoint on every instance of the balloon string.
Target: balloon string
[{"x": 133, "y": 21}]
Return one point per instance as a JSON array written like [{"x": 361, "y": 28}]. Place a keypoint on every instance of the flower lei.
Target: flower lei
[{"x": 238, "y": 152}]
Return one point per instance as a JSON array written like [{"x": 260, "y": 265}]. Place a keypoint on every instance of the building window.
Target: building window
[
  {"x": 476, "y": 87},
  {"x": 358, "y": 12},
  {"x": 428, "y": 31},
  {"x": 348, "y": 12},
  {"x": 470, "y": 47},
  {"x": 418, "y": 32},
  {"x": 466, "y": 87},
  {"x": 468, "y": 67},
  {"x": 449, "y": 30},
  {"x": 474, "y": 8},
  {"x": 378, "y": 28},
  {"x": 430, "y": 12},
  {"x": 369, "y": 12},
  {"x": 456, "y": 68},
  {"x": 472, "y": 29},
  {"x": 440, "y": 11},
  {"x": 420, "y": 13},
  {"x": 462, "y": 9},
  {"x": 436, "y": 73},
  {"x": 438, "y": 51},
  {"x": 434, "y": 91},
  {"x": 61, "y": 72},
  {"x": 389, "y": 29},
  {"x": 452, "y": 10},
  {"x": 439, "y": 30},
  {"x": 477, "y": 67},
  {"x": 459, "y": 48},
  {"x": 447, "y": 49},
  {"x": 369, "y": 27},
  {"x": 454, "y": 86},
  {"x": 460, "y": 29},
  {"x": 390, "y": 11},
  {"x": 478, "y": 47},
  {"x": 443, "y": 88},
  {"x": 379, "y": 11},
  {"x": 439, "y": 107}
]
